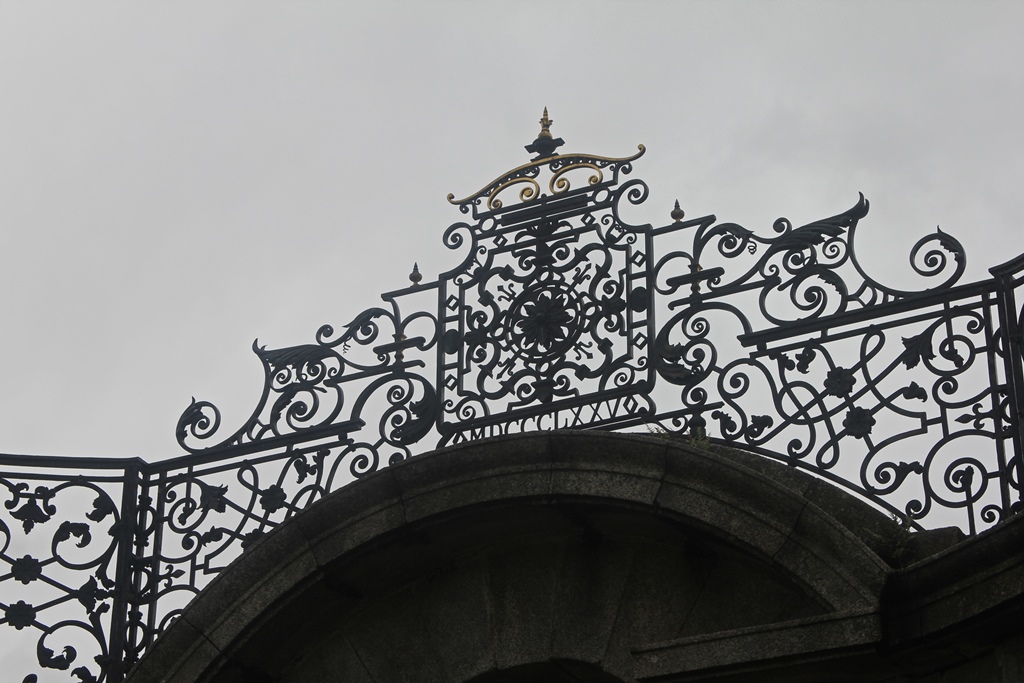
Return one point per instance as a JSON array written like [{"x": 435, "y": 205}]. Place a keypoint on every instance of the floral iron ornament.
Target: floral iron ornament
[{"x": 561, "y": 313}]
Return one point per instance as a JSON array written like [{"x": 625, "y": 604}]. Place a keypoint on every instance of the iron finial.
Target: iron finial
[
  {"x": 415, "y": 276},
  {"x": 677, "y": 213},
  {"x": 544, "y": 146}
]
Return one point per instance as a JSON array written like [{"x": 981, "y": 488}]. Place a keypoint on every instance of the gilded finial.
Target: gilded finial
[
  {"x": 545, "y": 125},
  {"x": 544, "y": 146},
  {"x": 415, "y": 276},
  {"x": 677, "y": 213}
]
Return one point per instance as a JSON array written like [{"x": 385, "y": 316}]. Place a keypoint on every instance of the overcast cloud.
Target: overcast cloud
[{"x": 178, "y": 179}]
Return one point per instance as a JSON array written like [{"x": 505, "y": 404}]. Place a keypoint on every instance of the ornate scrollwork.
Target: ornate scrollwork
[
  {"x": 807, "y": 272},
  {"x": 561, "y": 314},
  {"x": 77, "y": 571},
  {"x": 559, "y": 167}
]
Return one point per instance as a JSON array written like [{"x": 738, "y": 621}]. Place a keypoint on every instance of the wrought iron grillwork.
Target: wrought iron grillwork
[{"x": 562, "y": 314}]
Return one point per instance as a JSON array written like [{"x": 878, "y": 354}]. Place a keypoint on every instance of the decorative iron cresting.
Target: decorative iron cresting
[{"x": 561, "y": 314}]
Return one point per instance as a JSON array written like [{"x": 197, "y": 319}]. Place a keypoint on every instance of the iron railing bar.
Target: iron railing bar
[
  {"x": 882, "y": 326},
  {"x": 218, "y": 467},
  {"x": 1012, "y": 358},
  {"x": 64, "y": 477},
  {"x": 216, "y": 453},
  {"x": 75, "y": 462},
  {"x": 893, "y": 308},
  {"x": 124, "y": 577},
  {"x": 992, "y": 302}
]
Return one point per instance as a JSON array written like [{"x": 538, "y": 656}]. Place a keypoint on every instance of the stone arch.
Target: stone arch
[{"x": 606, "y": 554}]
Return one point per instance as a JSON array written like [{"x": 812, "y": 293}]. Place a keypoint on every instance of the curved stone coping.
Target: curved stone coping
[
  {"x": 980, "y": 578},
  {"x": 761, "y": 508},
  {"x": 959, "y": 609}
]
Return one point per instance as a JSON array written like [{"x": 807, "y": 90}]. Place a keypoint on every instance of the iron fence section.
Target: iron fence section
[{"x": 561, "y": 315}]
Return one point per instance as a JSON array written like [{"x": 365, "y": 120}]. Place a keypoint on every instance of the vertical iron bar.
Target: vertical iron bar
[
  {"x": 123, "y": 576},
  {"x": 138, "y": 633},
  {"x": 992, "y": 301},
  {"x": 1014, "y": 377},
  {"x": 151, "y": 568}
]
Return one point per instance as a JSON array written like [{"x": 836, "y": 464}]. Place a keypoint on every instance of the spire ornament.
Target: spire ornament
[
  {"x": 545, "y": 125},
  {"x": 677, "y": 213},
  {"x": 544, "y": 146}
]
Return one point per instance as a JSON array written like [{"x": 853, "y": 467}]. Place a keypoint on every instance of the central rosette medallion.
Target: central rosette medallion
[{"x": 544, "y": 321}]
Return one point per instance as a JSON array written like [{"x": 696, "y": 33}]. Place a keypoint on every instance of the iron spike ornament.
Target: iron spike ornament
[
  {"x": 560, "y": 313},
  {"x": 677, "y": 213}
]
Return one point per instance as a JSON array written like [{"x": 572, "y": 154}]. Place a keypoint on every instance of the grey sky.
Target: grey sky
[{"x": 178, "y": 179}]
